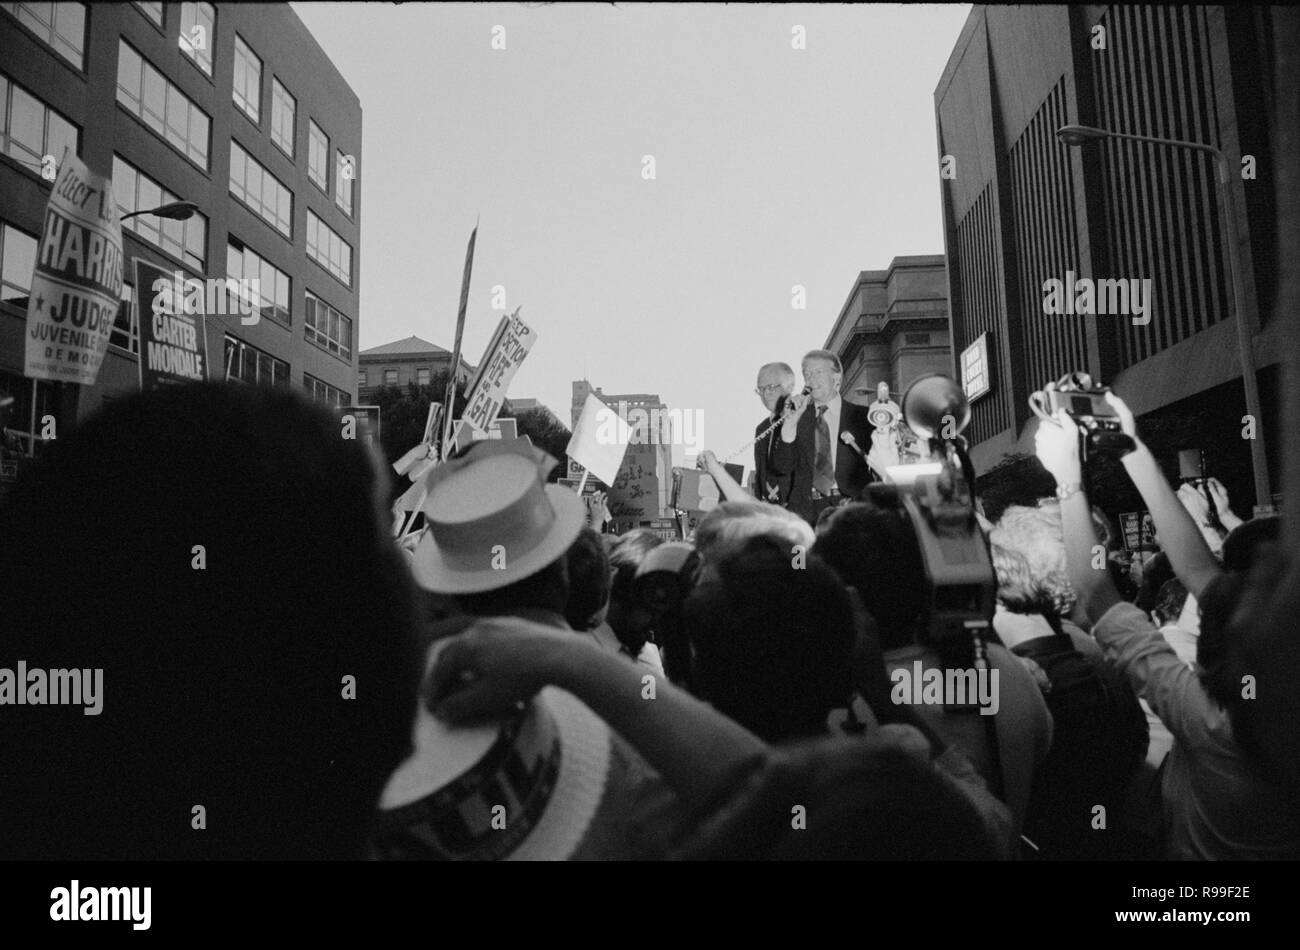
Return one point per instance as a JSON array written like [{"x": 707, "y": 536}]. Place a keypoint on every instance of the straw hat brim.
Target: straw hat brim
[{"x": 433, "y": 572}]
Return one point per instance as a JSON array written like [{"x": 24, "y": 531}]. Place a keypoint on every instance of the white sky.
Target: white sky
[{"x": 774, "y": 167}]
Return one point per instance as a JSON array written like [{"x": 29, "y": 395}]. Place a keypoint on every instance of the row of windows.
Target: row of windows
[
  {"x": 185, "y": 240},
  {"x": 61, "y": 26},
  {"x": 30, "y": 130},
  {"x": 248, "y": 364},
  {"x": 272, "y": 301},
  {"x": 159, "y": 103},
  {"x": 148, "y": 94},
  {"x": 256, "y": 187},
  {"x": 423, "y": 376},
  {"x": 327, "y": 328},
  {"x": 321, "y": 391},
  {"x": 328, "y": 249}
]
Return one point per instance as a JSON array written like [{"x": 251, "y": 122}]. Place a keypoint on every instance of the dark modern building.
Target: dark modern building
[
  {"x": 893, "y": 327},
  {"x": 1022, "y": 209},
  {"x": 412, "y": 360},
  {"x": 231, "y": 106}
]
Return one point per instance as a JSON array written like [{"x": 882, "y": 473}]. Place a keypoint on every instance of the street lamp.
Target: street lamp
[
  {"x": 1076, "y": 136},
  {"x": 176, "y": 210}
]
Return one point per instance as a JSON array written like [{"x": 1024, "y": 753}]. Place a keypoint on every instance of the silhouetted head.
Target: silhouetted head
[{"x": 220, "y": 553}]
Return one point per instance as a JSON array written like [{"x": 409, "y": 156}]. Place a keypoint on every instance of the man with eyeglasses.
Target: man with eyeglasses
[
  {"x": 775, "y": 383},
  {"x": 824, "y": 470}
]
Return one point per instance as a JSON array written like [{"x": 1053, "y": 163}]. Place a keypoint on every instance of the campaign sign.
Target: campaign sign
[
  {"x": 173, "y": 336},
  {"x": 510, "y": 344},
  {"x": 77, "y": 283},
  {"x": 1139, "y": 533}
]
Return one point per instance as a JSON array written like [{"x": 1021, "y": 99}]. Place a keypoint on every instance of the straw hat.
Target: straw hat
[
  {"x": 525, "y": 787},
  {"x": 493, "y": 520}
]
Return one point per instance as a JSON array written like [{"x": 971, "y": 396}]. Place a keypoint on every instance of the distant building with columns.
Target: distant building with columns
[{"x": 893, "y": 327}]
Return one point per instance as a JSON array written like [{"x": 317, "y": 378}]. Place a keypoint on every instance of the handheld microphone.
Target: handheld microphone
[{"x": 847, "y": 438}]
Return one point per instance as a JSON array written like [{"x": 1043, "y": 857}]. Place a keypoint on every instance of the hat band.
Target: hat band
[
  {"x": 493, "y": 541},
  {"x": 486, "y": 813}
]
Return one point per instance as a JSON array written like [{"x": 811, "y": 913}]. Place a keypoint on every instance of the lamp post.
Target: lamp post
[
  {"x": 1076, "y": 136},
  {"x": 176, "y": 210}
]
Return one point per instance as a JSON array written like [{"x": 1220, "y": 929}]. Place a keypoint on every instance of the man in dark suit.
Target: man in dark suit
[
  {"x": 775, "y": 383},
  {"x": 823, "y": 470}
]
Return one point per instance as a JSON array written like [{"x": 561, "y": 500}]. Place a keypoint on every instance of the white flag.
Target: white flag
[{"x": 600, "y": 440}]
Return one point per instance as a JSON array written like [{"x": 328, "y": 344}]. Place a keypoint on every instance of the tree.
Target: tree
[{"x": 403, "y": 411}]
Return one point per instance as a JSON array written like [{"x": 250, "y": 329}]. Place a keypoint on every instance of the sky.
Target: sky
[{"x": 773, "y": 167}]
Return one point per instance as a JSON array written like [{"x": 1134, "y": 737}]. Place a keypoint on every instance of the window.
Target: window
[
  {"x": 390, "y": 377},
  {"x": 17, "y": 261},
  {"x": 152, "y": 10},
  {"x": 256, "y": 187},
  {"x": 248, "y": 80},
  {"x": 283, "y": 109},
  {"x": 272, "y": 300},
  {"x": 148, "y": 95},
  {"x": 187, "y": 240},
  {"x": 318, "y": 152},
  {"x": 327, "y": 328},
  {"x": 327, "y": 249},
  {"x": 32, "y": 401},
  {"x": 61, "y": 26},
  {"x": 198, "y": 33},
  {"x": 30, "y": 130},
  {"x": 361, "y": 377},
  {"x": 248, "y": 364},
  {"x": 422, "y": 376},
  {"x": 343, "y": 184},
  {"x": 322, "y": 391},
  {"x": 124, "y": 333}
]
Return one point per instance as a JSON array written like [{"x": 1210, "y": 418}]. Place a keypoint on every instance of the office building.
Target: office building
[
  {"x": 1135, "y": 229},
  {"x": 233, "y": 107}
]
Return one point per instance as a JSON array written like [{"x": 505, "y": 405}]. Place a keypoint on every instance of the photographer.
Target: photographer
[{"x": 1218, "y": 804}]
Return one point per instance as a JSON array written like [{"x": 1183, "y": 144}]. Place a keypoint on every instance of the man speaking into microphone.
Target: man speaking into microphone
[{"x": 814, "y": 452}]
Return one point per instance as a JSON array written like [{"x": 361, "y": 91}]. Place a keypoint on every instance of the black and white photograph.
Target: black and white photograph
[{"x": 644, "y": 433}]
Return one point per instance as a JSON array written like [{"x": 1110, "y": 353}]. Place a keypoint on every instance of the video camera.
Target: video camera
[
  {"x": 1099, "y": 425},
  {"x": 938, "y": 497},
  {"x": 661, "y": 585}
]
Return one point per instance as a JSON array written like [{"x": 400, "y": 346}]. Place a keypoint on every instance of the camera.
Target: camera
[
  {"x": 661, "y": 585},
  {"x": 938, "y": 498},
  {"x": 1085, "y": 402},
  {"x": 665, "y": 576}
]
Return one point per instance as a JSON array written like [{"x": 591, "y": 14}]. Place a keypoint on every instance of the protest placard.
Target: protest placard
[
  {"x": 487, "y": 392},
  {"x": 173, "y": 330},
  {"x": 76, "y": 288},
  {"x": 1138, "y": 532}
]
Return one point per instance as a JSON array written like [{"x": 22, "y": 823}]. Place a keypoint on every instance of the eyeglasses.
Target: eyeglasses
[{"x": 773, "y": 388}]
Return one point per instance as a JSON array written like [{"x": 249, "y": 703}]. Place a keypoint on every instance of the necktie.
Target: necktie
[{"x": 823, "y": 473}]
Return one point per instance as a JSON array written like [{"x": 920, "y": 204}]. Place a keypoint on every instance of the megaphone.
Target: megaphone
[{"x": 935, "y": 406}]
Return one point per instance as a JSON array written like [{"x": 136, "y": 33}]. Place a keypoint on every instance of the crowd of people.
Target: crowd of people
[{"x": 282, "y": 680}]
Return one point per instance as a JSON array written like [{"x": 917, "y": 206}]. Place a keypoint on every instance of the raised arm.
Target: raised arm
[
  {"x": 1180, "y": 537},
  {"x": 1057, "y": 447},
  {"x": 731, "y": 489},
  {"x": 500, "y": 661}
]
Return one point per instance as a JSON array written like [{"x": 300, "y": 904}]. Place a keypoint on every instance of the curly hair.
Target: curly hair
[{"x": 1029, "y": 557}]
